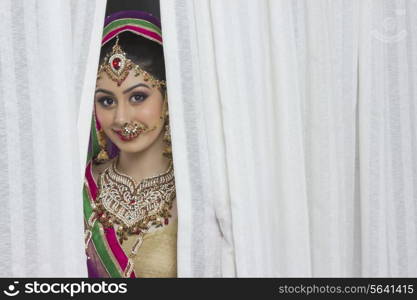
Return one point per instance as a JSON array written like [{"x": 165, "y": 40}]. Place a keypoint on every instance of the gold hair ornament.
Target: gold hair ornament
[{"x": 117, "y": 66}]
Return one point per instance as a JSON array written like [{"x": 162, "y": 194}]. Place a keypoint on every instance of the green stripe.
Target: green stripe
[
  {"x": 142, "y": 23},
  {"x": 102, "y": 252},
  {"x": 88, "y": 210},
  {"x": 95, "y": 149},
  {"x": 97, "y": 239}
]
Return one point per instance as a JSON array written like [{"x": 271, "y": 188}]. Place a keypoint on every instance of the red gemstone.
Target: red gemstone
[{"x": 117, "y": 63}]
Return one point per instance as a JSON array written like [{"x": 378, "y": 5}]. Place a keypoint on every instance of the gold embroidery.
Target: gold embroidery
[{"x": 134, "y": 208}]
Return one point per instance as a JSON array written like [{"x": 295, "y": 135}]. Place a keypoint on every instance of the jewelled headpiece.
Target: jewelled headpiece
[{"x": 117, "y": 66}]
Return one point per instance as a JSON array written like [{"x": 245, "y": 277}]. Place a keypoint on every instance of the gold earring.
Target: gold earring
[
  {"x": 167, "y": 139},
  {"x": 167, "y": 134},
  {"x": 102, "y": 155}
]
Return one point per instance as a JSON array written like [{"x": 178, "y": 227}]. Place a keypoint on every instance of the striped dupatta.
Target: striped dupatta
[{"x": 105, "y": 256}]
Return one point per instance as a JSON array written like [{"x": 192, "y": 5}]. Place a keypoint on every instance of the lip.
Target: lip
[{"x": 123, "y": 138}]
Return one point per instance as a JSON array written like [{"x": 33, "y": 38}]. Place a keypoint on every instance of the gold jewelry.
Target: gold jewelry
[
  {"x": 102, "y": 155},
  {"x": 117, "y": 66},
  {"x": 167, "y": 134},
  {"x": 167, "y": 139},
  {"x": 132, "y": 129},
  {"x": 135, "y": 208}
]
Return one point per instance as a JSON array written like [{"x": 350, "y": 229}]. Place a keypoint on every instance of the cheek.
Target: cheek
[{"x": 149, "y": 112}]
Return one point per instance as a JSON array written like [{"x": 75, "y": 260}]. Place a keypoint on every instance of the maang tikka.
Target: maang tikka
[{"x": 117, "y": 66}]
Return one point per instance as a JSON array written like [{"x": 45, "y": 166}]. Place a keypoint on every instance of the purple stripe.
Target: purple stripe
[
  {"x": 136, "y": 29},
  {"x": 95, "y": 266},
  {"x": 132, "y": 14}
]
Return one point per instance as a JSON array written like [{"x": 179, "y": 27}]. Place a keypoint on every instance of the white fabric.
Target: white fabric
[
  {"x": 43, "y": 53},
  {"x": 294, "y": 135},
  {"x": 294, "y": 127}
]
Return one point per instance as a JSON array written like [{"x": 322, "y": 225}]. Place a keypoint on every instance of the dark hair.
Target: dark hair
[{"x": 147, "y": 54}]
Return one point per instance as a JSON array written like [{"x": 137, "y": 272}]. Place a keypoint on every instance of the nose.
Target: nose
[{"x": 122, "y": 114}]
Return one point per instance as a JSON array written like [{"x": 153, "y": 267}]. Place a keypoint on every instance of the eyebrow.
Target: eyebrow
[
  {"x": 125, "y": 91},
  {"x": 104, "y": 91},
  {"x": 135, "y": 86}
]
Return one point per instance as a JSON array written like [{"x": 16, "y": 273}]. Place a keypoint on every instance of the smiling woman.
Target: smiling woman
[
  {"x": 129, "y": 193},
  {"x": 132, "y": 99}
]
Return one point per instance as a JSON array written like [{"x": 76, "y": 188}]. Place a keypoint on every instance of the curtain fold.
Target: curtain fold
[
  {"x": 200, "y": 243},
  {"x": 293, "y": 126},
  {"x": 294, "y": 136},
  {"x": 387, "y": 129},
  {"x": 43, "y": 48}
]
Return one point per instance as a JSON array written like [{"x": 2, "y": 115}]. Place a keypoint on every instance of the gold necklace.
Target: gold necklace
[{"x": 135, "y": 208}]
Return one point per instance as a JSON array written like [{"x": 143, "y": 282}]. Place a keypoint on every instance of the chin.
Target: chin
[
  {"x": 131, "y": 147},
  {"x": 139, "y": 144}
]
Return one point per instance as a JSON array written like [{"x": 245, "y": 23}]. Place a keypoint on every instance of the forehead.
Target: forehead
[{"x": 104, "y": 81}]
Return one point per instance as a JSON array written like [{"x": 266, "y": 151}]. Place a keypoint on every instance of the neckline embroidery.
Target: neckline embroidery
[
  {"x": 148, "y": 181},
  {"x": 134, "y": 207}
]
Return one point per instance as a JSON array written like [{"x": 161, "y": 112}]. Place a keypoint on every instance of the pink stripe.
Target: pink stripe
[
  {"x": 92, "y": 186},
  {"x": 137, "y": 29},
  {"x": 115, "y": 247},
  {"x": 109, "y": 232}
]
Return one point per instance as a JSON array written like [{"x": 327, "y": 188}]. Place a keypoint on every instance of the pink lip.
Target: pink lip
[{"x": 123, "y": 138}]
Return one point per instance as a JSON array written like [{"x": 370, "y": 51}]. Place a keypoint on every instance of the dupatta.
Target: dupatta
[{"x": 105, "y": 256}]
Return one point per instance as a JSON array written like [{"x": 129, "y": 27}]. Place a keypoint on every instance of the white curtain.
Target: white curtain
[
  {"x": 294, "y": 127},
  {"x": 294, "y": 135},
  {"x": 44, "y": 49}
]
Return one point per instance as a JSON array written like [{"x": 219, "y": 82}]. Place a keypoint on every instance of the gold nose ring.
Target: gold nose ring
[{"x": 132, "y": 129}]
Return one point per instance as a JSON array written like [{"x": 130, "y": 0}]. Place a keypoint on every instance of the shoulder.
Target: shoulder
[{"x": 97, "y": 168}]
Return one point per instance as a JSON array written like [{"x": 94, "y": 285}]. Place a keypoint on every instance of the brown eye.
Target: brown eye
[
  {"x": 106, "y": 101},
  {"x": 140, "y": 97}
]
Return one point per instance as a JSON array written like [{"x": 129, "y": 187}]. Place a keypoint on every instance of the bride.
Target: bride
[{"x": 129, "y": 193}]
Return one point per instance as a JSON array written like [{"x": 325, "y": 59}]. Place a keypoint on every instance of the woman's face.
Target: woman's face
[{"x": 134, "y": 100}]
